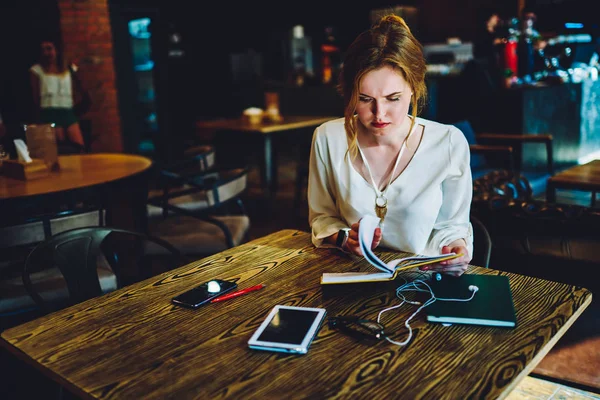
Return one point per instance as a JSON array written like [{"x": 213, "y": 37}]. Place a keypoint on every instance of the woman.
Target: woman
[
  {"x": 488, "y": 37},
  {"x": 379, "y": 160},
  {"x": 54, "y": 87}
]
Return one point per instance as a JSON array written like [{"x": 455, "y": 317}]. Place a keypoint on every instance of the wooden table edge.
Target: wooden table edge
[
  {"x": 288, "y": 231},
  {"x": 147, "y": 168},
  {"x": 565, "y": 183},
  {"x": 59, "y": 379},
  {"x": 220, "y": 124},
  {"x": 38, "y": 366},
  {"x": 546, "y": 348}
]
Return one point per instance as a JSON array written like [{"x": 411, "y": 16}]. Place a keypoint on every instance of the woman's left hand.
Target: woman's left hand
[{"x": 454, "y": 267}]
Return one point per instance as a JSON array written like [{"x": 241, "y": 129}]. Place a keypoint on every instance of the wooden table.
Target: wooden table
[
  {"x": 265, "y": 130},
  {"x": 77, "y": 173},
  {"x": 584, "y": 177},
  {"x": 133, "y": 343}
]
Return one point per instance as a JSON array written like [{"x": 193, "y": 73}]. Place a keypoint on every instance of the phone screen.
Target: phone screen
[{"x": 204, "y": 293}]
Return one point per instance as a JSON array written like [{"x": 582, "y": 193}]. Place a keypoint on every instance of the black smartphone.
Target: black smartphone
[{"x": 204, "y": 293}]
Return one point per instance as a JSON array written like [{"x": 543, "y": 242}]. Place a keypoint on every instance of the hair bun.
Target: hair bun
[{"x": 392, "y": 19}]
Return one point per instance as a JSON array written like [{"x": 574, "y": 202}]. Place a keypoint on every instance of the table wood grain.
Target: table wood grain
[
  {"x": 77, "y": 171},
  {"x": 133, "y": 343}
]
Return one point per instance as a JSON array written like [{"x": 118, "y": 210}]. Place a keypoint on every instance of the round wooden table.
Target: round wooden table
[
  {"x": 77, "y": 171},
  {"x": 115, "y": 175}
]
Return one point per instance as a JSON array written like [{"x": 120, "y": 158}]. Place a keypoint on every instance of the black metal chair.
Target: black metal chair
[
  {"x": 83, "y": 263},
  {"x": 18, "y": 237},
  {"x": 198, "y": 208},
  {"x": 482, "y": 244}
]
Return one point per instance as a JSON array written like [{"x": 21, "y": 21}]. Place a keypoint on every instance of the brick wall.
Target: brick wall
[{"x": 87, "y": 40}]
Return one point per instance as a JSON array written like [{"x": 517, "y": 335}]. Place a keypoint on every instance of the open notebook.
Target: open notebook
[{"x": 390, "y": 270}]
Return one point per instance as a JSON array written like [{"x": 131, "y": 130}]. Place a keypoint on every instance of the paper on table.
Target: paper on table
[{"x": 22, "y": 151}]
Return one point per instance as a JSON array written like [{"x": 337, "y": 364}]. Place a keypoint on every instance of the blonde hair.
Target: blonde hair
[{"x": 387, "y": 43}]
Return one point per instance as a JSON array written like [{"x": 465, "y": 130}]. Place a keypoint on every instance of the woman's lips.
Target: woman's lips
[{"x": 380, "y": 124}]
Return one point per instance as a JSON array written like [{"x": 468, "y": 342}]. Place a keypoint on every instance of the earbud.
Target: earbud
[{"x": 473, "y": 288}]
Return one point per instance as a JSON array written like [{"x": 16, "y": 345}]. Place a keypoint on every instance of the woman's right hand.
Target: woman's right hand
[{"x": 352, "y": 245}]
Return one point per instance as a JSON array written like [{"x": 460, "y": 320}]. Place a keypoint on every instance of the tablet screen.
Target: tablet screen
[{"x": 288, "y": 326}]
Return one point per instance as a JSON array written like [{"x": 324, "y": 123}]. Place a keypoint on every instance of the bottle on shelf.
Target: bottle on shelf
[
  {"x": 330, "y": 57},
  {"x": 300, "y": 56},
  {"x": 509, "y": 55},
  {"x": 525, "y": 47}
]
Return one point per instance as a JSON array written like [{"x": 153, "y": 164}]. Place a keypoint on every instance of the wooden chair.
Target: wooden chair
[{"x": 82, "y": 263}]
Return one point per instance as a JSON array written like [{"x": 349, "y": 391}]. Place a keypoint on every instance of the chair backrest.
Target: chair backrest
[
  {"x": 202, "y": 194},
  {"x": 196, "y": 158},
  {"x": 478, "y": 161},
  {"x": 18, "y": 237},
  {"x": 76, "y": 254},
  {"x": 482, "y": 244}
]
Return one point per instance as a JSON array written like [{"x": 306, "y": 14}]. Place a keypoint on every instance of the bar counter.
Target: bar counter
[{"x": 568, "y": 111}]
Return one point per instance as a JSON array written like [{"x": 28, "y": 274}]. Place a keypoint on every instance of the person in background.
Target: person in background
[
  {"x": 487, "y": 36},
  {"x": 483, "y": 75},
  {"x": 380, "y": 160},
  {"x": 55, "y": 87}
]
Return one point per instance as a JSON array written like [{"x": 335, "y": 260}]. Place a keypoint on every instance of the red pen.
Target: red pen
[{"x": 237, "y": 293}]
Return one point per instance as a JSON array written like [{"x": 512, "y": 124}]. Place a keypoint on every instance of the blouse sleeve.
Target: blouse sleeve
[
  {"x": 36, "y": 69},
  {"x": 453, "y": 221},
  {"x": 323, "y": 216}
]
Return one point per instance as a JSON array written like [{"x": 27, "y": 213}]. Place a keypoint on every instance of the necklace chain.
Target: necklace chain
[{"x": 380, "y": 198}]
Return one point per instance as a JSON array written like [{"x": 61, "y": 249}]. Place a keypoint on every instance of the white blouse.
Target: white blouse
[
  {"x": 56, "y": 90},
  {"x": 428, "y": 203}
]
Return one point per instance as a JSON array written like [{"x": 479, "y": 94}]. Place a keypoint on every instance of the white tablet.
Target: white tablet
[{"x": 288, "y": 329}]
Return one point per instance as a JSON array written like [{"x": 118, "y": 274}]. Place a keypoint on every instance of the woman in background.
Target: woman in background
[
  {"x": 379, "y": 160},
  {"x": 54, "y": 87}
]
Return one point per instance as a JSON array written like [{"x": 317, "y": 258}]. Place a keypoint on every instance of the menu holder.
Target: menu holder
[
  {"x": 41, "y": 143},
  {"x": 25, "y": 171}
]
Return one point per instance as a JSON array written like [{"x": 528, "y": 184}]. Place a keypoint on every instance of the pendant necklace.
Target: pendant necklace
[{"x": 380, "y": 197}]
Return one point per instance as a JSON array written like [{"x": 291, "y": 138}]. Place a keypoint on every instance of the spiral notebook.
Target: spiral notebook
[{"x": 492, "y": 304}]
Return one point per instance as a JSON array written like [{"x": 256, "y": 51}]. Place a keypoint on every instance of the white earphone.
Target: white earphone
[{"x": 419, "y": 285}]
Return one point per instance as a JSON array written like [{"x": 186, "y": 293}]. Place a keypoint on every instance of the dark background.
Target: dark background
[{"x": 202, "y": 83}]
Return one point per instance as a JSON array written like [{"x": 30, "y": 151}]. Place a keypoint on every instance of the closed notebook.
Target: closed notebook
[{"x": 492, "y": 304}]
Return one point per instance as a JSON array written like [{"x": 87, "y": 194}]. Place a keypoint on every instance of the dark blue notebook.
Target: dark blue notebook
[{"x": 492, "y": 304}]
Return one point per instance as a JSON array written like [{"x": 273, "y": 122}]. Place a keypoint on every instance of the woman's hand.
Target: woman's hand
[
  {"x": 352, "y": 245},
  {"x": 456, "y": 266}
]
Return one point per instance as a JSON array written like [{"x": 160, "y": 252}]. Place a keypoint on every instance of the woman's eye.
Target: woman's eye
[
  {"x": 364, "y": 99},
  {"x": 394, "y": 99}
]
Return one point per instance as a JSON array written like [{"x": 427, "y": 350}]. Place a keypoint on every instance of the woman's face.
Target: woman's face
[
  {"x": 383, "y": 102},
  {"x": 48, "y": 51}
]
